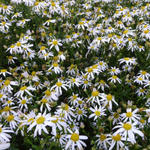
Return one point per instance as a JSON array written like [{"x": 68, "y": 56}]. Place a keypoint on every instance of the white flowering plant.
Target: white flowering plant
[{"x": 74, "y": 74}]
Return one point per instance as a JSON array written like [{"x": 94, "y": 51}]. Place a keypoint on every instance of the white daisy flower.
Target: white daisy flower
[
  {"x": 75, "y": 140},
  {"x": 23, "y": 90},
  {"x": 95, "y": 97},
  {"x": 128, "y": 61},
  {"x": 117, "y": 139},
  {"x": 60, "y": 84},
  {"x": 102, "y": 141},
  {"x": 4, "y": 72},
  {"x": 55, "y": 67},
  {"x": 4, "y": 136},
  {"x": 114, "y": 79},
  {"x": 128, "y": 131},
  {"x": 130, "y": 115},
  {"x": 55, "y": 43},
  {"x": 97, "y": 112},
  {"x": 107, "y": 99},
  {"x": 40, "y": 121}
]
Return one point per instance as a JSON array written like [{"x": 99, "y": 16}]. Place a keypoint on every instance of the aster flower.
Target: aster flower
[
  {"x": 107, "y": 99},
  {"x": 102, "y": 141},
  {"x": 40, "y": 121},
  {"x": 4, "y": 134},
  {"x": 95, "y": 96},
  {"x": 55, "y": 43},
  {"x": 128, "y": 130},
  {"x": 75, "y": 140},
  {"x": 60, "y": 84},
  {"x": 117, "y": 139},
  {"x": 97, "y": 112},
  {"x": 130, "y": 115},
  {"x": 128, "y": 61},
  {"x": 114, "y": 79},
  {"x": 24, "y": 89},
  {"x": 4, "y": 72}
]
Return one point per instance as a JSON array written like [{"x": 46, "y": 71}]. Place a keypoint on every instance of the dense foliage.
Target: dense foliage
[{"x": 74, "y": 74}]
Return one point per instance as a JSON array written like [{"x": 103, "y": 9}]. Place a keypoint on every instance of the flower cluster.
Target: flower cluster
[{"x": 75, "y": 74}]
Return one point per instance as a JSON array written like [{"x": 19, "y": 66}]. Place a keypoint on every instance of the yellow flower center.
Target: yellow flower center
[
  {"x": 18, "y": 44},
  {"x": 42, "y": 48},
  {"x": 109, "y": 97},
  {"x": 9, "y": 101},
  {"x": 36, "y": 3},
  {"x": 102, "y": 137},
  {"x": 129, "y": 114},
  {"x": 113, "y": 70},
  {"x": 100, "y": 63},
  {"x": 55, "y": 65},
  {"x": 99, "y": 38},
  {"x": 74, "y": 137},
  {"x": 127, "y": 126},
  {"x": 146, "y": 31},
  {"x": 23, "y": 88},
  {"x": 31, "y": 120},
  {"x": 59, "y": 84},
  {"x": 143, "y": 72},
  {"x": 85, "y": 82},
  {"x": 0, "y": 130},
  {"x": 110, "y": 35},
  {"x": 46, "y": 54},
  {"x": 12, "y": 46},
  {"x": 53, "y": 4},
  {"x": 10, "y": 118},
  {"x": 102, "y": 82},
  {"x": 23, "y": 101},
  {"x": 80, "y": 102},
  {"x": 65, "y": 107},
  {"x": 36, "y": 83},
  {"x": 1, "y": 95},
  {"x": 142, "y": 90},
  {"x": 74, "y": 97},
  {"x": 117, "y": 137},
  {"x": 47, "y": 93},
  {"x": 40, "y": 120},
  {"x": 33, "y": 73},
  {"x": 142, "y": 121},
  {"x": 90, "y": 70},
  {"x": 114, "y": 77},
  {"x": 7, "y": 82},
  {"x": 125, "y": 32},
  {"x": 68, "y": 36},
  {"x": 55, "y": 42},
  {"x": 95, "y": 66},
  {"x": 3, "y": 70},
  {"x": 44, "y": 101},
  {"x": 55, "y": 121},
  {"x": 3, "y": 23},
  {"x": 127, "y": 58},
  {"x": 119, "y": 22},
  {"x": 116, "y": 115},
  {"x": 97, "y": 113},
  {"x": 10, "y": 57},
  {"x": 81, "y": 23},
  {"x": 73, "y": 80},
  {"x": 140, "y": 78},
  {"x": 95, "y": 93},
  {"x": 80, "y": 112},
  {"x": 6, "y": 108},
  {"x": 58, "y": 136}
]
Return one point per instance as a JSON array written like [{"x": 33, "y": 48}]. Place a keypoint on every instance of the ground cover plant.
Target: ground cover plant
[{"x": 74, "y": 74}]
